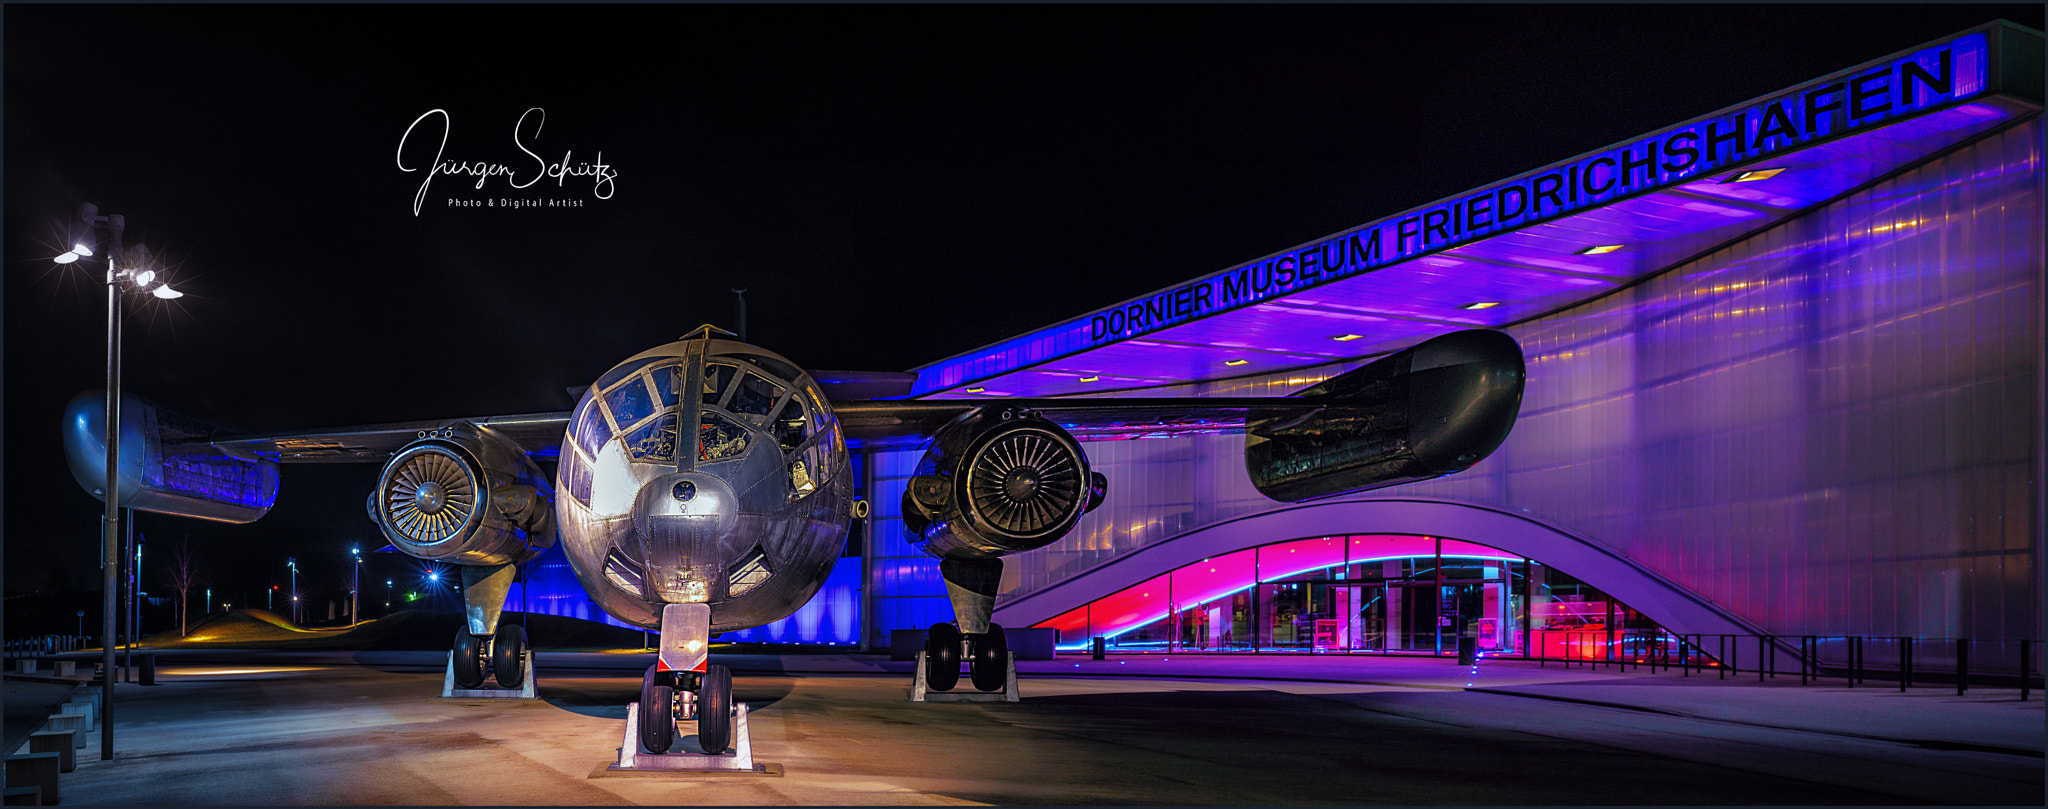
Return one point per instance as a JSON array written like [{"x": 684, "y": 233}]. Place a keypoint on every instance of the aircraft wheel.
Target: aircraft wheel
[
  {"x": 942, "y": 657},
  {"x": 990, "y": 668},
  {"x": 469, "y": 659},
  {"x": 508, "y": 655},
  {"x": 657, "y": 713},
  {"x": 714, "y": 709}
]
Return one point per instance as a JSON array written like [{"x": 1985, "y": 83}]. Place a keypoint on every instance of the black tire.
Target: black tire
[
  {"x": 657, "y": 712},
  {"x": 942, "y": 657},
  {"x": 469, "y": 659},
  {"x": 990, "y": 668},
  {"x": 714, "y": 710},
  {"x": 508, "y": 656}
]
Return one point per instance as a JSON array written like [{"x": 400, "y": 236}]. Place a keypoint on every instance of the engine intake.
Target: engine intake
[
  {"x": 466, "y": 496},
  {"x": 998, "y": 481}
]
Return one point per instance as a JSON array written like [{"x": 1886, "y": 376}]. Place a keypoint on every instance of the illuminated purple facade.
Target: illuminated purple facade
[{"x": 1802, "y": 403}]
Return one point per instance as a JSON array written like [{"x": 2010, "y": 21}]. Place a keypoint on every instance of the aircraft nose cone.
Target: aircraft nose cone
[
  {"x": 1021, "y": 484},
  {"x": 681, "y": 520},
  {"x": 430, "y": 498}
]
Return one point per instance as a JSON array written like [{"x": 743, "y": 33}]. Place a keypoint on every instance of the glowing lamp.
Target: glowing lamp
[
  {"x": 1753, "y": 176},
  {"x": 1599, "y": 248},
  {"x": 1236, "y": 362},
  {"x": 145, "y": 278},
  {"x": 1345, "y": 338},
  {"x": 80, "y": 249},
  {"x": 1091, "y": 379},
  {"x": 67, "y": 258},
  {"x": 1481, "y": 305}
]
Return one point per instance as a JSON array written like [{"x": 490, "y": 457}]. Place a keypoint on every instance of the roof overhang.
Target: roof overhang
[{"x": 1535, "y": 243}]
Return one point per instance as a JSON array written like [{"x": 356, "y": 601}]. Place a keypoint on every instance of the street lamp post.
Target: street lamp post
[
  {"x": 293, "y": 563},
  {"x": 355, "y": 587},
  {"x": 387, "y": 595},
  {"x": 110, "y": 522}
]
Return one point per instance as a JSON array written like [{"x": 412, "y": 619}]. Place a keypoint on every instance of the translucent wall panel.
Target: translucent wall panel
[{"x": 1826, "y": 428}]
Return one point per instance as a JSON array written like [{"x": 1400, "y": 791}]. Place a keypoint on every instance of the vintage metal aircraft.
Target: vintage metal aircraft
[{"x": 704, "y": 486}]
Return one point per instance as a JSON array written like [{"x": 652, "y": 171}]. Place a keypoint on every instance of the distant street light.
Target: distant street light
[
  {"x": 387, "y": 595},
  {"x": 354, "y": 602},
  {"x": 141, "y": 279},
  {"x": 293, "y": 563}
]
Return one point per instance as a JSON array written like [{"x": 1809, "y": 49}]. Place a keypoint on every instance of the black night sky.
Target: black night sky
[{"x": 894, "y": 184}]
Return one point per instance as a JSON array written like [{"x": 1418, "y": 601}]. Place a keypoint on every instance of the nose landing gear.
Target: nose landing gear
[{"x": 667, "y": 697}]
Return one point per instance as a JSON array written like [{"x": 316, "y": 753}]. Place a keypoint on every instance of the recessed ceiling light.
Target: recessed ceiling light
[
  {"x": 1345, "y": 338},
  {"x": 1236, "y": 362},
  {"x": 1599, "y": 248},
  {"x": 976, "y": 390},
  {"x": 1091, "y": 379},
  {"x": 1754, "y": 175},
  {"x": 1481, "y": 305}
]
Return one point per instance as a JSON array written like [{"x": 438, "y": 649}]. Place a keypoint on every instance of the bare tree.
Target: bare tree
[{"x": 182, "y": 576}]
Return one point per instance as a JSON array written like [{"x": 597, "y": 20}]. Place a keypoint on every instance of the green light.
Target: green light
[{"x": 412, "y": 596}]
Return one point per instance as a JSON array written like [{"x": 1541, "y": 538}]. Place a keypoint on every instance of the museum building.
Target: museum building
[{"x": 1785, "y": 366}]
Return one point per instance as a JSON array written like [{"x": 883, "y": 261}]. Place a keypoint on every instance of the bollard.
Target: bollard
[
  {"x": 71, "y": 723},
  {"x": 50, "y": 741},
  {"x": 35, "y": 770},
  {"x": 1468, "y": 650},
  {"x": 2026, "y": 668},
  {"x": 1905, "y": 663},
  {"x": 146, "y": 668},
  {"x": 1962, "y": 665},
  {"x": 1099, "y": 647}
]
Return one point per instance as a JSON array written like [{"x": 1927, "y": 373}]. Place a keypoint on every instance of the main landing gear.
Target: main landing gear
[
  {"x": 502, "y": 655},
  {"x": 990, "y": 666}
]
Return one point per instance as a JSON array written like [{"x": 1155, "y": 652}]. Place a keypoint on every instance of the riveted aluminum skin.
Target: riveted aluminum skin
[{"x": 741, "y": 508}]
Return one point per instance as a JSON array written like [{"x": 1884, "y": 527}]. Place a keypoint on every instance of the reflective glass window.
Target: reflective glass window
[
  {"x": 754, "y": 397},
  {"x": 792, "y": 424},
  {"x": 716, "y": 376},
  {"x": 591, "y": 431},
  {"x": 625, "y": 369},
  {"x": 667, "y": 380},
  {"x": 1302, "y": 560},
  {"x": 578, "y": 473},
  {"x": 718, "y": 439},
  {"x": 654, "y": 441},
  {"x": 630, "y": 402},
  {"x": 770, "y": 364},
  {"x": 801, "y": 481}
]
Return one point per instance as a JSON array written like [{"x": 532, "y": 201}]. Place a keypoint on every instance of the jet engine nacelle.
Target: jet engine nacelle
[
  {"x": 997, "y": 481},
  {"x": 1427, "y": 411},
  {"x": 466, "y": 496}
]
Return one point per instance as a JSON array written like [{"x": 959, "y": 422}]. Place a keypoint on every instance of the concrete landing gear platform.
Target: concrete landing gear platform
[
  {"x": 687, "y": 758},
  {"x": 966, "y": 692},
  {"x": 526, "y": 689}
]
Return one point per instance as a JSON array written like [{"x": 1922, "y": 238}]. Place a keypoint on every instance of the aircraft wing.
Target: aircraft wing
[
  {"x": 900, "y": 422},
  {"x": 540, "y": 434}
]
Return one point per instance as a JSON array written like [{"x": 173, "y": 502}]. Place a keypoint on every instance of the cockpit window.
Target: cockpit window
[
  {"x": 716, "y": 377},
  {"x": 791, "y": 425},
  {"x": 624, "y": 370},
  {"x": 630, "y": 402},
  {"x": 718, "y": 439},
  {"x": 654, "y": 441},
  {"x": 591, "y": 431},
  {"x": 788, "y": 372},
  {"x": 667, "y": 380},
  {"x": 754, "y": 397}
]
